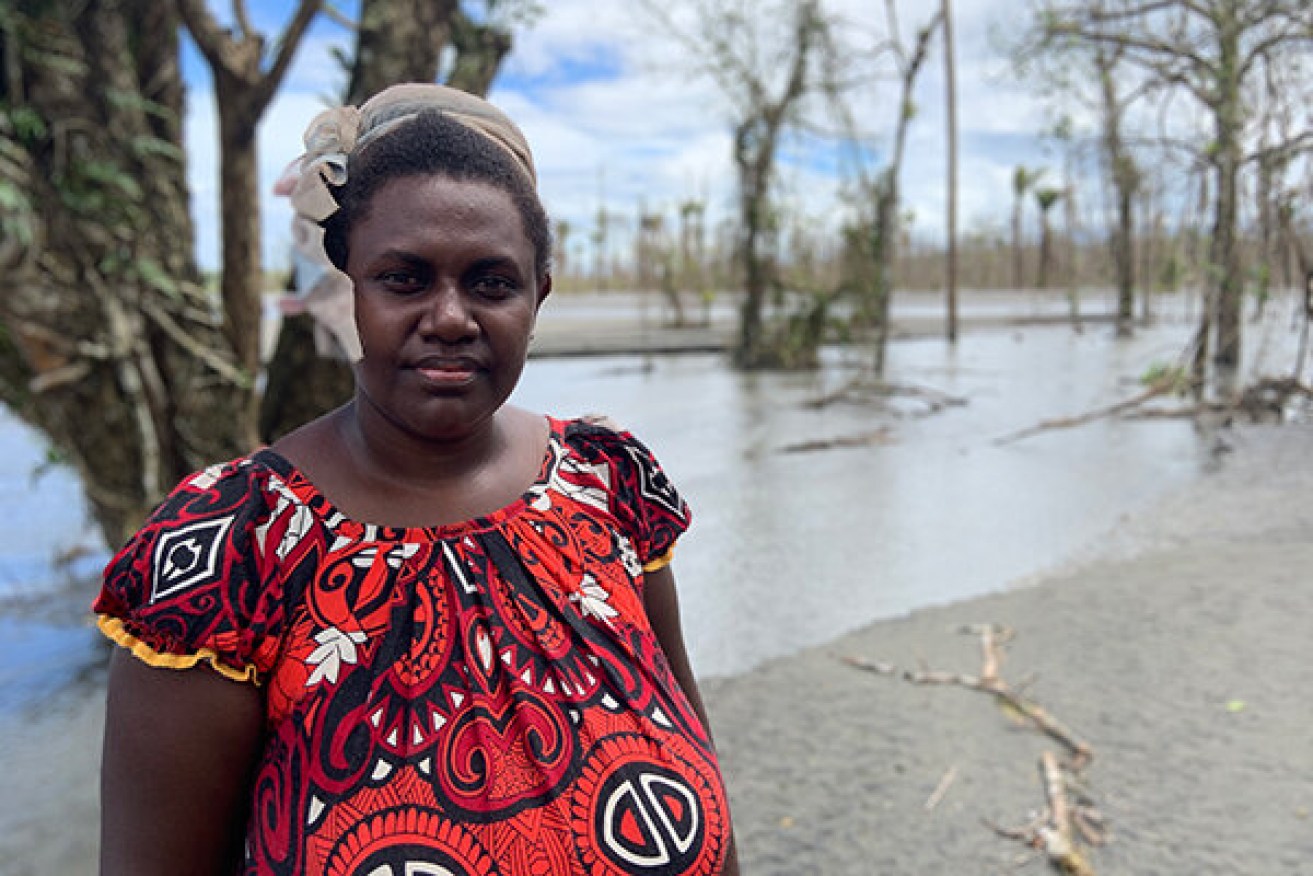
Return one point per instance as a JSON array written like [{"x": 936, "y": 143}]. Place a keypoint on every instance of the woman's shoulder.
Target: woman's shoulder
[
  {"x": 596, "y": 435},
  {"x": 207, "y": 511},
  {"x": 224, "y": 487}
]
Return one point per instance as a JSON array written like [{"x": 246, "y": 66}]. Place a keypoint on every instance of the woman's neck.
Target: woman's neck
[{"x": 382, "y": 450}]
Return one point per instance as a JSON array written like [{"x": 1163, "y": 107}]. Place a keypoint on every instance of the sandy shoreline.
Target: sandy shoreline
[{"x": 1194, "y": 604}]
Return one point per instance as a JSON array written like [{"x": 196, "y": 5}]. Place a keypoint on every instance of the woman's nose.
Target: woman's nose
[{"x": 447, "y": 315}]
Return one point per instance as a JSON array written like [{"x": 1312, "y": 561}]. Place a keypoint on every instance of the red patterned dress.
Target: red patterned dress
[{"x": 486, "y": 697}]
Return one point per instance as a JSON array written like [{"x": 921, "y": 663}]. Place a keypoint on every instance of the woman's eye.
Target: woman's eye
[
  {"x": 400, "y": 281},
  {"x": 493, "y": 286}
]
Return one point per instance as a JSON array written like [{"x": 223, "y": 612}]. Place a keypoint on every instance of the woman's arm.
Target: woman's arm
[
  {"x": 661, "y": 600},
  {"x": 180, "y": 746}
]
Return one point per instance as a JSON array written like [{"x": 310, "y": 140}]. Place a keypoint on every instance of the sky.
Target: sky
[{"x": 616, "y": 113}]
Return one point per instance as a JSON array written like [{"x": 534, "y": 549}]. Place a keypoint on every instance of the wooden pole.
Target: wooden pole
[{"x": 950, "y": 90}]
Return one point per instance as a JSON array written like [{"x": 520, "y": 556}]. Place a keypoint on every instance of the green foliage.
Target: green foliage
[
  {"x": 1260, "y": 285},
  {"x": 795, "y": 341},
  {"x": 1169, "y": 275},
  {"x": 133, "y": 100},
  {"x": 155, "y": 276},
  {"x": 112, "y": 177},
  {"x": 1175, "y": 376},
  {"x": 27, "y": 124},
  {"x": 15, "y": 214},
  {"x": 102, "y": 192},
  {"x": 147, "y": 147},
  {"x": 1047, "y": 197},
  {"x": 62, "y": 64}
]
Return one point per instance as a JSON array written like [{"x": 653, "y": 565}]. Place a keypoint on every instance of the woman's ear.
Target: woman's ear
[{"x": 544, "y": 289}]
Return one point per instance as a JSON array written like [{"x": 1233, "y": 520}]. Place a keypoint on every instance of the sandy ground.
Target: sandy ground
[{"x": 1178, "y": 646}]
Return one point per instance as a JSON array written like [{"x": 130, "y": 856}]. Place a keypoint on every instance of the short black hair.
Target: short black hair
[{"x": 433, "y": 143}]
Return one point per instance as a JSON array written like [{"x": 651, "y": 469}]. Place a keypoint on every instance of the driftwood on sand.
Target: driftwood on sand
[{"x": 1069, "y": 822}]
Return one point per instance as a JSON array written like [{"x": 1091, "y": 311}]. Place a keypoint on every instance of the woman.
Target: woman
[{"x": 428, "y": 633}]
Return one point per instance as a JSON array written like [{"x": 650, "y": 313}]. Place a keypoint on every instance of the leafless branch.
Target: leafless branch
[{"x": 243, "y": 20}]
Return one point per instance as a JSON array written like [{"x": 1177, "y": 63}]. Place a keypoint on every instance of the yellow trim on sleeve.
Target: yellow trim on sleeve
[
  {"x": 115, "y": 630},
  {"x": 660, "y": 562}
]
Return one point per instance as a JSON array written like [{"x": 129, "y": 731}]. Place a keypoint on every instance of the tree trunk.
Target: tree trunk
[
  {"x": 1226, "y": 249},
  {"x": 480, "y": 50},
  {"x": 950, "y": 86},
  {"x": 108, "y": 345},
  {"x": 1123, "y": 256},
  {"x": 754, "y": 172},
  {"x": 242, "y": 286},
  {"x": 1018, "y": 262},
  {"x": 398, "y": 41},
  {"x": 1045, "y": 250},
  {"x": 1125, "y": 180},
  {"x": 886, "y": 250}
]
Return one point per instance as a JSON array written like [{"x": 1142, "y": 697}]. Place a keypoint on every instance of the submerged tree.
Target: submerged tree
[
  {"x": 1217, "y": 54},
  {"x": 765, "y": 62},
  {"x": 1094, "y": 74},
  {"x": 873, "y": 241}
]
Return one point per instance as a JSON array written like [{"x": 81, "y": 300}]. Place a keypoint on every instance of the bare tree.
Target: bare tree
[
  {"x": 882, "y": 196},
  {"x": 764, "y": 74},
  {"x": 1124, "y": 174},
  {"x": 1216, "y": 53},
  {"x": 692, "y": 254},
  {"x": 245, "y": 80},
  {"x": 1094, "y": 74}
]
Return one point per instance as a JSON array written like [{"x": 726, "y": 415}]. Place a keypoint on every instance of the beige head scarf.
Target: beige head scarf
[{"x": 337, "y": 133}]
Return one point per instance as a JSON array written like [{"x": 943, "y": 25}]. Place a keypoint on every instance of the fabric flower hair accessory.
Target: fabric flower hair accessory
[{"x": 328, "y": 141}]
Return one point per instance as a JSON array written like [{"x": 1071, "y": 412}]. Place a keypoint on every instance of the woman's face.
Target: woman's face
[{"x": 446, "y": 295}]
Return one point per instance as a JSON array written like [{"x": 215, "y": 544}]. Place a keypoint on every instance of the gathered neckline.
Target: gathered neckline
[{"x": 346, "y": 527}]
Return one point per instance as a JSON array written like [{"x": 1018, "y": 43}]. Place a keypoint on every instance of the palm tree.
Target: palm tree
[
  {"x": 1023, "y": 179},
  {"x": 1045, "y": 198}
]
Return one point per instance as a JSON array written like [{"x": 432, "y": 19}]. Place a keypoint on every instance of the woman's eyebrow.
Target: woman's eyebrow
[
  {"x": 492, "y": 262},
  {"x": 401, "y": 255}
]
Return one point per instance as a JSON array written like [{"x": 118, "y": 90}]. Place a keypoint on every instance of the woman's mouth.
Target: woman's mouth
[{"x": 455, "y": 372}]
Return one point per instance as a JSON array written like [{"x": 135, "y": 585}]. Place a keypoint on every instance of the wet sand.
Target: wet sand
[{"x": 1178, "y": 646}]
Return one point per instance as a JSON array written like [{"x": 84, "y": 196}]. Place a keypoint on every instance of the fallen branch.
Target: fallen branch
[
  {"x": 864, "y": 439},
  {"x": 1154, "y": 390},
  {"x": 1066, "y": 823},
  {"x": 941, "y": 789},
  {"x": 1057, "y": 838},
  {"x": 991, "y": 638},
  {"x": 863, "y": 389}
]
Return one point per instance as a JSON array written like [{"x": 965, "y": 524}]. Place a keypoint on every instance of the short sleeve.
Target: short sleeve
[
  {"x": 643, "y": 500},
  {"x": 188, "y": 587}
]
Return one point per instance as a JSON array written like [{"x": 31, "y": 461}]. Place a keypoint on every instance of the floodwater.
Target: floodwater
[{"x": 788, "y": 548}]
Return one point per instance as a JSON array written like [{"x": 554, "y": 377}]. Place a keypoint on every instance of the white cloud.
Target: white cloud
[{"x": 613, "y": 110}]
